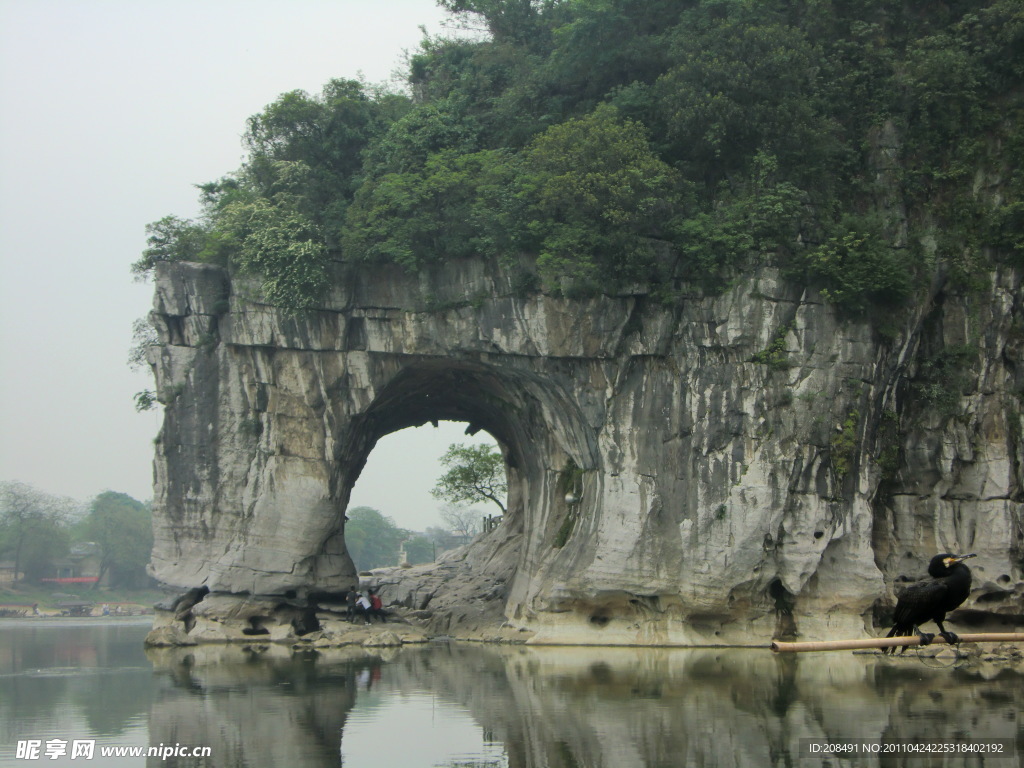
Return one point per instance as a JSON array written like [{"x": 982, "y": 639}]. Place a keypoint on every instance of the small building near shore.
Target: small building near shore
[
  {"x": 81, "y": 565},
  {"x": 7, "y": 574}
]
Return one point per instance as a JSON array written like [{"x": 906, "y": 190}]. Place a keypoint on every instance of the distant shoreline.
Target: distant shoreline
[{"x": 63, "y": 621}]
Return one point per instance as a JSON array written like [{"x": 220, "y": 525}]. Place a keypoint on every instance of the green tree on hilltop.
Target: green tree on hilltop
[
  {"x": 507, "y": 20},
  {"x": 621, "y": 142},
  {"x": 599, "y": 199}
]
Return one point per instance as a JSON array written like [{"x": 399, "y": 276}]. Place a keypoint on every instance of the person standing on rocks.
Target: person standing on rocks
[
  {"x": 377, "y": 607},
  {"x": 351, "y": 598},
  {"x": 363, "y": 608}
]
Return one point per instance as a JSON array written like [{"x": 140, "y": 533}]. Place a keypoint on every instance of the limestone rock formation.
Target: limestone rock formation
[{"x": 746, "y": 465}]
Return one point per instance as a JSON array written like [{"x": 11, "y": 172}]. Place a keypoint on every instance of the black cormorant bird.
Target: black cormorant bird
[{"x": 932, "y": 600}]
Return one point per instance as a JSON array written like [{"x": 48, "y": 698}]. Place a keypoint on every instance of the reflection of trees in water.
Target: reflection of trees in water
[
  {"x": 30, "y": 697},
  {"x": 111, "y": 708},
  {"x": 99, "y": 669}
]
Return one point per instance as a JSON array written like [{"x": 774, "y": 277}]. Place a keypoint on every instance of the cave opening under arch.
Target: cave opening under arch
[{"x": 537, "y": 430}]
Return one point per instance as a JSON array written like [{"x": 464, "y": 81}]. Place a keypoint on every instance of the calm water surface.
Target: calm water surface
[{"x": 454, "y": 705}]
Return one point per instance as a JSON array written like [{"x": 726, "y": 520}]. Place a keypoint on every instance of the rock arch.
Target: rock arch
[
  {"x": 529, "y": 417},
  {"x": 709, "y": 477},
  {"x": 536, "y": 424}
]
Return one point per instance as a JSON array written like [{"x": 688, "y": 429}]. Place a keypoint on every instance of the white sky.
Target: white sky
[{"x": 110, "y": 112}]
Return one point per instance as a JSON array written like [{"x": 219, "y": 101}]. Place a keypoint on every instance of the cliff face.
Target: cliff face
[{"x": 746, "y": 465}]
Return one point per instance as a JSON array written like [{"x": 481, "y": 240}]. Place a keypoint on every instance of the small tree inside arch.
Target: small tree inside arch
[{"x": 474, "y": 473}]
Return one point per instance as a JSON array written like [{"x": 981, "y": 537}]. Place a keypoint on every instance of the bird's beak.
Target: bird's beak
[{"x": 961, "y": 558}]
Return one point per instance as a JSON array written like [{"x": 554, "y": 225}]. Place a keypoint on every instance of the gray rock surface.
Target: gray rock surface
[{"x": 748, "y": 465}]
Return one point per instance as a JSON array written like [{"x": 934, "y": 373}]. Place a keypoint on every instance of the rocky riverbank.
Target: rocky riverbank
[
  {"x": 225, "y": 619},
  {"x": 443, "y": 599}
]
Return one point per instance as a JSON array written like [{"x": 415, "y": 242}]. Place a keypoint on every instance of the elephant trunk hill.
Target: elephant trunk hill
[{"x": 745, "y": 466}]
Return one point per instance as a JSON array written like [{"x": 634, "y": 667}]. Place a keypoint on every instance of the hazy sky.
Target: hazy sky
[{"x": 110, "y": 112}]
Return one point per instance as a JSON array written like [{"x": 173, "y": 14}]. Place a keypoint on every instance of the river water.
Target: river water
[{"x": 482, "y": 706}]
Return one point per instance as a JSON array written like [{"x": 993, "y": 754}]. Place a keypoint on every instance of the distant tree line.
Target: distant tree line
[
  {"x": 671, "y": 142},
  {"x": 38, "y": 531},
  {"x": 374, "y": 541}
]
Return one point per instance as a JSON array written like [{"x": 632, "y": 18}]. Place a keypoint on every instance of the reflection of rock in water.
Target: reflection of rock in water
[
  {"x": 559, "y": 708},
  {"x": 967, "y": 701},
  {"x": 255, "y": 706},
  {"x": 595, "y": 707}
]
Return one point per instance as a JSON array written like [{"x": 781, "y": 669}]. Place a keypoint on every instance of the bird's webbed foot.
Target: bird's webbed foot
[
  {"x": 949, "y": 637},
  {"x": 926, "y": 639}
]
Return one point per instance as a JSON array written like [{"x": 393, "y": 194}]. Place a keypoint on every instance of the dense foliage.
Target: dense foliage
[
  {"x": 38, "y": 532},
  {"x": 34, "y": 530},
  {"x": 374, "y": 541},
  {"x": 854, "y": 144},
  {"x": 123, "y": 529},
  {"x": 473, "y": 473}
]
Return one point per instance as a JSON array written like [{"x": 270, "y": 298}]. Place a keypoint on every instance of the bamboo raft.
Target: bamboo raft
[{"x": 779, "y": 646}]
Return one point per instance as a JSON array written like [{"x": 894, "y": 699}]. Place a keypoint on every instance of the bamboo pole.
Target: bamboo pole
[{"x": 889, "y": 642}]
